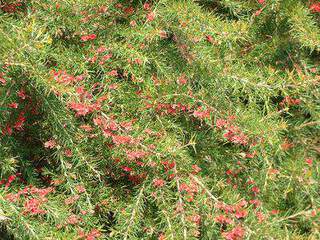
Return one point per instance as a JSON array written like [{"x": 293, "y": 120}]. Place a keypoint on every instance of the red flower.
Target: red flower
[
  {"x": 13, "y": 105},
  {"x": 22, "y": 94},
  {"x": 315, "y": 8},
  {"x": 261, "y": 1},
  {"x": 20, "y": 121},
  {"x": 126, "y": 169},
  {"x": 161, "y": 237},
  {"x": 10, "y": 180},
  {"x": 7, "y": 130},
  {"x": 129, "y": 10},
  {"x": 273, "y": 171},
  {"x": 309, "y": 161},
  {"x": 255, "y": 189},
  {"x": 235, "y": 135},
  {"x": 251, "y": 155},
  {"x": 65, "y": 78},
  {"x": 88, "y": 37},
  {"x": 275, "y": 212},
  {"x": 286, "y": 145},
  {"x": 209, "y": 38},
  {"x": 196, "y": 218},
  {"x": 257, "y": 13},
  {"x": 33, "y": 205}
]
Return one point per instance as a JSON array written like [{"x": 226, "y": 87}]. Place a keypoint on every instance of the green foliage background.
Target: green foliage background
[{"x": 236, "y": 61}]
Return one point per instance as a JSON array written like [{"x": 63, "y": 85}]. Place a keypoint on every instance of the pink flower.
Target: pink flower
[
  {"x": 101, "y": 49},
  {"x": 241, "y": 213},
  {"x": 150, "y": 16},
  {"x": 182, "y": 80},
  {"x": 132, "y": 155},
  {"x": 71, "y": 199},
  {"x": 261, "y": 1},
  {"x": 2, "y": 80},
  {"x": 201, "y": 114},
  {"x": 80, "y": 108},
  {"x": 196, "y": 169},
  {"x": 196, "y": 218},
  {"x": 87, "y": 128},
  {"x": 146, "y": 6},
  {"x": 235, "y": 234},
  {"x": 68, "y": 153},
  {"x": 93, "y": 234},
  {"x": 223, "y": 219},
  {"x": 113, "y": 73},
  {"x": 80, "y": 188},
  {"x": 118, "y": 140},
  {"x": 158, "y": 182},
  {"x": 220, "y": 123},
  {"x": 73, "y": 219},
  {"x": 133, "y": 23},
  {"x": 260, "y": 217},
  {"x": 50, "y": 144}
]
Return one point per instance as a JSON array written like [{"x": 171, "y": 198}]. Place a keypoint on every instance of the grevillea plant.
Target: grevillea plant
[{"x": 163, "y": 119}]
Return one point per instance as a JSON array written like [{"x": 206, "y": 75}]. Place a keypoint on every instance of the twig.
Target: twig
[{"x": 204, "y": 187}]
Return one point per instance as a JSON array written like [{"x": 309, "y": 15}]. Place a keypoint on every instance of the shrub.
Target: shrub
[{"x": 168, "y": 119}]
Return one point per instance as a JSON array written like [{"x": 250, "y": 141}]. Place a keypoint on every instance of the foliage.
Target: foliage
[{"x": 167, "y": 119}]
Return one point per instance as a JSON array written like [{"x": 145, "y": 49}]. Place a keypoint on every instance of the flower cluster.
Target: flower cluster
[{"x": 232, "y": 133}]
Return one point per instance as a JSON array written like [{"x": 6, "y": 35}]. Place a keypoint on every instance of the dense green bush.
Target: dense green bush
[{"x": 168, "y": 119}]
